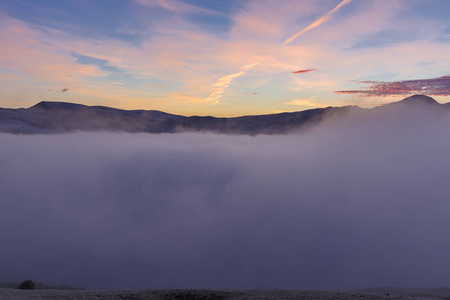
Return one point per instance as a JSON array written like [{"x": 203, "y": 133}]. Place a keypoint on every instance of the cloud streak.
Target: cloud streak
[
  {"x": 224, "y": 82},
  {"x": 304, "y": 71},
  {"x": 316, "y": 23},
  {"x": 177, "y": 6},
  {"x": 433, "y": 87}
]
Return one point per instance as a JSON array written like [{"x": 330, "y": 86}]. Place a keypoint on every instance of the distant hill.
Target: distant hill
[{"x": 62, "y": 117}]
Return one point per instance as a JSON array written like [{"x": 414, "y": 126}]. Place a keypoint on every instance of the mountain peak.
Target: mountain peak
[
  {"x": 54, "y": 105},
  {"x": 422, "y": 99}
]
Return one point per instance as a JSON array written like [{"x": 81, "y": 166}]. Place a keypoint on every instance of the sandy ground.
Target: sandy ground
[{"x": 379, "y": 293}]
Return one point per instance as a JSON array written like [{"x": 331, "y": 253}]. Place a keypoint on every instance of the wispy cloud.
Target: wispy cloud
[
  {"x": 316, "y": 23},
  {"x": 177, "y": 6},
  {"x": 187, "y": 98},
  {"x": 434, "y": 87},
  {"x": 224, "y": 82},
  {"x": 304, "y": 71}
]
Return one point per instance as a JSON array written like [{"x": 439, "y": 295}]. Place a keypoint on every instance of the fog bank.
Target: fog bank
[{"x": 347, "y": 205}]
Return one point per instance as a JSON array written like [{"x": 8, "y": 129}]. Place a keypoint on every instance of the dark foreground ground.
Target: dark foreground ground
[{"x": 378, "y": 293}]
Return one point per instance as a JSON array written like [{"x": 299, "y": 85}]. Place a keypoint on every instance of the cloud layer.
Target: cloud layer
[
  {"x": 433, "y": 87},
  {"x": 349, "y": 204}
]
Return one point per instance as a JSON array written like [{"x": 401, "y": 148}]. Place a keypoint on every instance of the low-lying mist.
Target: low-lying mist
[{"x": 352, "y": 204}]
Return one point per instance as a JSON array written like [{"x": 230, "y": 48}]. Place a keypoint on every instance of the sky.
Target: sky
[{"x": 223, "y": 57}]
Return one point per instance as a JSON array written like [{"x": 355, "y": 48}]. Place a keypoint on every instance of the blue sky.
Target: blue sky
[{"x": 223, "y": 58}]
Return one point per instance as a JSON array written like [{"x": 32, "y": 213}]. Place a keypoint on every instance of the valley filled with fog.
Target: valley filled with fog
[{"x": 353, "y": 203}]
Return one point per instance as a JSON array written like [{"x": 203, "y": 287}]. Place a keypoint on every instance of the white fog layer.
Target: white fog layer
[{"x": 345, "y": 205}]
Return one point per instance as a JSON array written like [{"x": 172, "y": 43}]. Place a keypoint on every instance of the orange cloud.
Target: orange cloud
[
  {"x": 224, "y": 82},
  {"x": 310, "y": 102}
]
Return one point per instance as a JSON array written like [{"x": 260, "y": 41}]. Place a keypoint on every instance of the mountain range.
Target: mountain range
[{"x": 61, "y": 117}]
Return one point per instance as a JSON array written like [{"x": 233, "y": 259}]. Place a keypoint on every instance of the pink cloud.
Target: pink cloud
[
  {"x": 304, "y": 71},
  {"x": 39, "y": 57},
  {"x": 269, "y": 20},
  {"x": 433, "y": 87}
]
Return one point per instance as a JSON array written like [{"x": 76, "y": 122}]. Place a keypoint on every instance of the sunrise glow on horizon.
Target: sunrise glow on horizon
[{"x": 223, "y": 58}]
